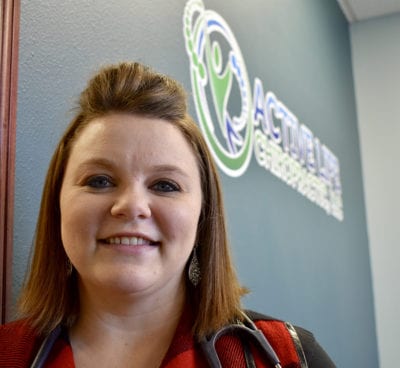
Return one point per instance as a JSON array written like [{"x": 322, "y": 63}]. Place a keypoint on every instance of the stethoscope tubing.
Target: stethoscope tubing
[
  {"x": 45, "y": 348},
  {"x": 247, "y": 329}
]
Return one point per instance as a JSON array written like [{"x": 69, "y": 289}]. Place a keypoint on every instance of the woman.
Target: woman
[{"x": 131, "y": 265}]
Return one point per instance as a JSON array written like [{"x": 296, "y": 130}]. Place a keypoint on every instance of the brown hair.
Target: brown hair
[{"x": 49, "y": 296}]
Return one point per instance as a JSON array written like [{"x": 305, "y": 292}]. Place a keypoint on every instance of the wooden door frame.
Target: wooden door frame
[{"x": 9, "y": 37}]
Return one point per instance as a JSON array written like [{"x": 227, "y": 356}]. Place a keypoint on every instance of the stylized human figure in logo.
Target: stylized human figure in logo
[
  {"x": 221, "y": 85},
  {"x": 208, "y": 69}
]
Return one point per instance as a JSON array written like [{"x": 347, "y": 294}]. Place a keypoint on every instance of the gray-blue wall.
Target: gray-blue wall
[
  {"x": 301, "y": 264},
  {"x": 376, "y": 64}
]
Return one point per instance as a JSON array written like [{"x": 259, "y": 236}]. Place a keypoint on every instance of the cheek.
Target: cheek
[
  {"x": 77, "y": 222},
  {"x": 71, "y": 228},
  {"x": 181, "y": 223}
]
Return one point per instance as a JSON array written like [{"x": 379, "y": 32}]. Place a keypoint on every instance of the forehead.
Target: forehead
[{"x": 128, "y": 135}]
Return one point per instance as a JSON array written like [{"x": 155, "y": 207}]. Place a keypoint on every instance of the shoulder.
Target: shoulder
[
  {"x": 307, "y": 347},
  {"x": 17, "y": 343},
  {"x": 316, "y": 356},
  {"x": 19, "y": 327}
]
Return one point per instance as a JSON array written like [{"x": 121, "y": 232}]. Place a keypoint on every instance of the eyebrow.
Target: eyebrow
[
  {"x": 108, "y": 164},
  {"x": 165, "y": 168},
  {"x": 104, "y": 162}
]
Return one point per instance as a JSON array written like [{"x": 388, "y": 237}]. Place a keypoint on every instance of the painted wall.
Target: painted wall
[
  {"x": 300, "y": 263},
  {"x": 376, "y": 60}
]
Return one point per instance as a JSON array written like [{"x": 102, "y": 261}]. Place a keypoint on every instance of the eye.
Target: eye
[
  {"x": 165, "y": 186},
  {"x": 99, "y": 182}
]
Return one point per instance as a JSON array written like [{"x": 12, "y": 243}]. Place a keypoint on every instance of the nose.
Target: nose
[{"x": 131, "y": 203}]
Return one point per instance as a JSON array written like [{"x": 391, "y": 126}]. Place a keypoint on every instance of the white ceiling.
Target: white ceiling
[{"x": 356, "y": 10}]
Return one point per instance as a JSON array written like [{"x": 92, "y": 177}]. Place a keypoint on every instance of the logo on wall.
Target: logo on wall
[{"x": 237, "y": 120}]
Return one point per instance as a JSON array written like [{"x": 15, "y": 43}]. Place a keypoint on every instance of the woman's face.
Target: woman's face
[{"x": 130, "y": 204}]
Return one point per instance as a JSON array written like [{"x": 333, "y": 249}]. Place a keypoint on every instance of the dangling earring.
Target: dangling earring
[
  {"x": 70, "y": 268},
  {"x": 194, "y": 272}
]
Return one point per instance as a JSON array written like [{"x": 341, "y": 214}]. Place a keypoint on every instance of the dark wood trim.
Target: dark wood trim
[{"x": 10, "y": 13}]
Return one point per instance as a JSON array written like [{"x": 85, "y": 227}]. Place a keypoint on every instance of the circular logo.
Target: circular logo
[{"x": 221, "y": 88}]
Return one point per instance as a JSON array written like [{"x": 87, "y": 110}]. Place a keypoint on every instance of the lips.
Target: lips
[{"x": 129, "y": 241}]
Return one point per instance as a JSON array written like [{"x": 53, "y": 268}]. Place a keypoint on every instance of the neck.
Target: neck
[
  {"x": 139, "y": 327},
  {"x": 130, "y": 312}
]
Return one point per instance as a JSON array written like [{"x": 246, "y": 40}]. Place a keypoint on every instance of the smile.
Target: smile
[{"x": 132, "y": 240}]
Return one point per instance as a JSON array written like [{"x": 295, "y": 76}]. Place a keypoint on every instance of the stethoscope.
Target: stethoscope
[
  {"x": 45, "y": 348},
  {"x": 246, "y": 330}
]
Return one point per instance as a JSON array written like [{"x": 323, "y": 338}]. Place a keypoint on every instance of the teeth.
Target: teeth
[{"x": 128, "y": 241}]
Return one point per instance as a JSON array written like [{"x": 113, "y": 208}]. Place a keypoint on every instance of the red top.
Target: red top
[{"x": 19, "y": 344}]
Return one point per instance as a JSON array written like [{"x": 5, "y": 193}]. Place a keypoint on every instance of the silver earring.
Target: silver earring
[{"x": 194, "y": 272}]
